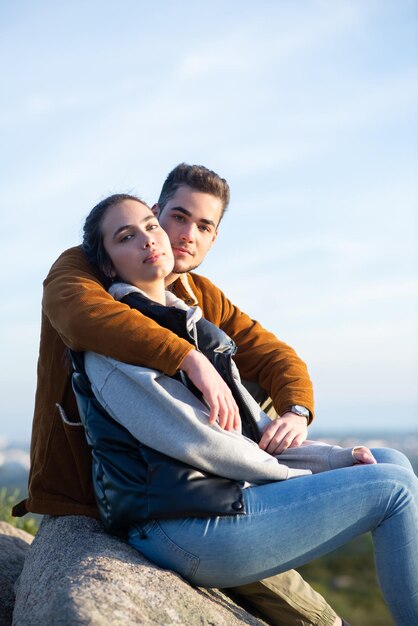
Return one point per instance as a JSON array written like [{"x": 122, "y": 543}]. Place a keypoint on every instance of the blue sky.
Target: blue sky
[{"x": 308, "y": 108}]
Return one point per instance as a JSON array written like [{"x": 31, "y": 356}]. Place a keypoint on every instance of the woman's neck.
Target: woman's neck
[{"x": 154, "y": 291}]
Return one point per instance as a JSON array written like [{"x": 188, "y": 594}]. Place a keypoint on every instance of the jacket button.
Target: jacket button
[{"x": 237, "y": 505}]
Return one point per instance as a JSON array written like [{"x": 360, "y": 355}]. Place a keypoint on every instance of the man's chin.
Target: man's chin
[{"x": 181, "y": 268}]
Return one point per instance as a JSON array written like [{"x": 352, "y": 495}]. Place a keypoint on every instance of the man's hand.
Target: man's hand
[
  {"x": 288, "y": 431},
  {"x": 216, "y": 392}
]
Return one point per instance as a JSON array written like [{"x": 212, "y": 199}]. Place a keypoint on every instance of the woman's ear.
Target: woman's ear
[{"x": 156, "y": 210}]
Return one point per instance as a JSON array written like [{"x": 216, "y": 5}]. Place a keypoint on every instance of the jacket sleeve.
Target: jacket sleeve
[
  {"x": 261, "y": 356},
  {"x": 317, "y": 456},
  {"x": 177, "y": 423},
  {"x": 87, "y": 318}
]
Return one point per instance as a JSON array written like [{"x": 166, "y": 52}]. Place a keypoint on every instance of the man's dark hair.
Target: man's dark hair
[
  {"x": 196, "y": 177},
  {"x": 92, "y": 244}
]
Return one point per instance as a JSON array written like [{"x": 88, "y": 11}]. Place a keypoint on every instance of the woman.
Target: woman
[{"x": 276, "y": 524}]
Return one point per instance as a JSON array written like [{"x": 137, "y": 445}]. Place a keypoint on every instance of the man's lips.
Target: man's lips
[{"x": 182, "y": 251}]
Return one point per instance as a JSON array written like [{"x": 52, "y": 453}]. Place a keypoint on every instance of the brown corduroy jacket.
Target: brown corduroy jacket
[{"x": 79, "y": 313}]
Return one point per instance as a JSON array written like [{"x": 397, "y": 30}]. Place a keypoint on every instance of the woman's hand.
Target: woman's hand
[
  {"x": 363, "y": 455},
  {"x": 216, "y": 392}
]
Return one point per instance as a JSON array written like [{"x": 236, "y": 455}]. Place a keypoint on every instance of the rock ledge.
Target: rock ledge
[
  {"x": 75, "y": 573},
  {"x": 14, "y": 544}
]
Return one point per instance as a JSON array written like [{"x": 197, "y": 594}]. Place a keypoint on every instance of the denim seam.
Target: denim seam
[
  {"x": 146, "y": 527},
  {"x": 192, "y": 558}
]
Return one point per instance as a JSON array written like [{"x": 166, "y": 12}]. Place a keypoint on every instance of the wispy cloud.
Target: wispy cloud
[{"x": 286, "y": 31}]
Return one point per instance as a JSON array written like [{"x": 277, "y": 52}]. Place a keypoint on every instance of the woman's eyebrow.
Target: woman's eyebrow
[
  {"x": 127, "y": 226},
  {"x": 121, "y": 229}
]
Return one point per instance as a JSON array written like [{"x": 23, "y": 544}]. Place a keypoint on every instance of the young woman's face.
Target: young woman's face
[{"x": 138, "y": 247}]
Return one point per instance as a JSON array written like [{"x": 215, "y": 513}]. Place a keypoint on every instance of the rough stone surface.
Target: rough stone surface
[
  {"x": 77, "y": 574},
  {"x": 14, "y": 544}
]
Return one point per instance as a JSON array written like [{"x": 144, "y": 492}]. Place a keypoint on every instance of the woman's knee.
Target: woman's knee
[
  {"x": 397, "y": 479},
  {"x": 390, "y": 455}
]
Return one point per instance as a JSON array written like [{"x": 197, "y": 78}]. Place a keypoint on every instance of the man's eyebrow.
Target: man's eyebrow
[
  {"x": 181, "y": 209},
  {"x": 208, "y": 222},
  {"x": 127, "y": 226}
]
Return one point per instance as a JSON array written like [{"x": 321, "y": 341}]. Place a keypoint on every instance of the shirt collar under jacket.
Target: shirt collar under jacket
[{"x": 194, "y": 313}]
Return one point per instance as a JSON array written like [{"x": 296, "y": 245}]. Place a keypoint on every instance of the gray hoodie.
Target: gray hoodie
[{"x": 163, "y": 414}]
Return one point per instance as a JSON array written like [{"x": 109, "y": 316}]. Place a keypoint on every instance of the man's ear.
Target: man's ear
[{"x": 156, "y": 210}]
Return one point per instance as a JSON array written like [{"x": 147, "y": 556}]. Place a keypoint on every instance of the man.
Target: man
[
  {"x": 80, "y": 314},
  {"x": 191, "y": 219}
]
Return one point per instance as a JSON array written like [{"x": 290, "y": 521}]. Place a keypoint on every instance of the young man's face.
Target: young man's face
[{"x": 191, "y": 221}]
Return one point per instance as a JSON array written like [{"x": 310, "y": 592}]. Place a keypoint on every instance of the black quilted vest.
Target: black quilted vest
[{"x": 134, "y": 483}]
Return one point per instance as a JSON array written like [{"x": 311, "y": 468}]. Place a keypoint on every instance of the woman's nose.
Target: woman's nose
[{"x": 149, "y": 242}]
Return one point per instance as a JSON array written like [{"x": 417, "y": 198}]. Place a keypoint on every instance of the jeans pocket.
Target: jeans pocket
[{"x": 153, "y": 542}]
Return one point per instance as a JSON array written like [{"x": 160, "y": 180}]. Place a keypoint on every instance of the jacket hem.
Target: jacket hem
[{"x": 48, "y": 507}]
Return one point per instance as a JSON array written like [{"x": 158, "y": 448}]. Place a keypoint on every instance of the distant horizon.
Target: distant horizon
[
  {"x": 331, "y": 416},
  {"x": 316, "y": 431}
]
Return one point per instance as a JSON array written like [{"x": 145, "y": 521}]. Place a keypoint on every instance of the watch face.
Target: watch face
[{"x": 300, "y": 410}]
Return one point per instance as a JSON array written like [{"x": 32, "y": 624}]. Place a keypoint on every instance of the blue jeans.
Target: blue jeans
[{"x": 289, "y": 523}]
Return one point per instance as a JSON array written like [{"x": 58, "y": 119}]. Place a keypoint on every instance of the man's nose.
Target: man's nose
[{"x": 188, "y": 232}]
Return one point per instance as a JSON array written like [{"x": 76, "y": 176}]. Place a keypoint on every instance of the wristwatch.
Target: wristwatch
[{"x": 298, "y": 409}]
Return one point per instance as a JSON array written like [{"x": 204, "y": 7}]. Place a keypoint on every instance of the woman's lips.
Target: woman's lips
[{"x": 152, "y": 258}]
